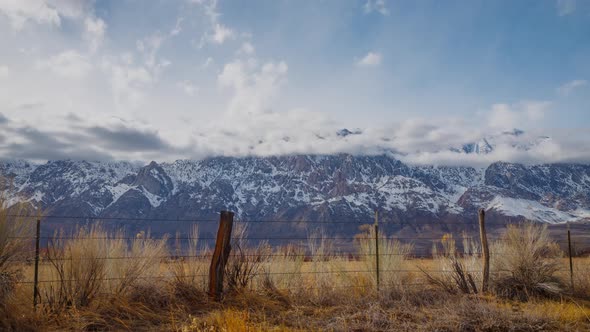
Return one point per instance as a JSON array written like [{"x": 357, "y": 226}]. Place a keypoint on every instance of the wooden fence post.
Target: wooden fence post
[
  {"x": 569, "y": 247},
  {"x": 486, "y": 252},
  {"x": 377, "y": 248},
  {"x": 36, "y": 276},
  {"x": 220, "y": 255}
]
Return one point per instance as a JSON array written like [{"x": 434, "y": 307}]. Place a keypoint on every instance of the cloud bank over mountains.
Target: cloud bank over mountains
[
  {"x": 416, "y": 141},
  {"x": 78, "y": 84}
]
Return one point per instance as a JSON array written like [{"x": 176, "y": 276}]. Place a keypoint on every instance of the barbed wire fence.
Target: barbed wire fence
[{"x": 296, "y": 247}]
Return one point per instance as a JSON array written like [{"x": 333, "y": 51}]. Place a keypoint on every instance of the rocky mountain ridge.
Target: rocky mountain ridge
[{"x": 310, "y": 187}]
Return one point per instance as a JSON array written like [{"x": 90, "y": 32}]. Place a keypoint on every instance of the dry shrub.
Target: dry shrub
[
  {"x": 393, "y": 259},
  {"x": 474, "y": 314},
  {"x": 455, "y": 273},
  {"x": 189, "y": 270},
  {"x": 525, "y": 263},
  {"x": 582, "y": 277},
  {"x": 94, "y": 263},
  {"x": 283, "y": 270},
  {"x": 244, "y": 263},
  {"x": 16, "y": 238}
]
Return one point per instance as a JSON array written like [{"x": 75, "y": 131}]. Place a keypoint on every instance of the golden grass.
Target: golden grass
[{"x": 287, "y": 293}]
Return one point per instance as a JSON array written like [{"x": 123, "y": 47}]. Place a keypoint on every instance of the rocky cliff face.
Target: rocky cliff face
[{"x": 333, "y": 187}]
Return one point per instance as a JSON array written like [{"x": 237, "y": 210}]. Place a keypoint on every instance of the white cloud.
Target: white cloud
[
  {"x": 254, "y": 87},
  {"x": 567, "y": 88},
  {"x": 149, "y": 47},
  {"x": 370, "y": 60},
  {"x": 177, "y": 28},
  {"x": 378, "y": 6},
  {"x": 221, "y": 33},
  {"x": 188, "y": 88},
  {"x": 95, "y": 32},
  {"x": 128, "y": 83},
  {"x": 21, "y": 11},
  {"x": 208, "y": 62},
  {"x": 217, "y": 32},
  {"x": 509, "y": 116},
  {"x": 3, "y": 71},
  {"x": 565, "y": 7},
  {"x": 69, "y": 64},
  {"x": 246, "y": 48}
]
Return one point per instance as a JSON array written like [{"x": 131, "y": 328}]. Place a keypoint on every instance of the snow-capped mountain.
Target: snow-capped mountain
[
  {"x": 310, "y": 187},
  {"x": 512, "y": 139}
]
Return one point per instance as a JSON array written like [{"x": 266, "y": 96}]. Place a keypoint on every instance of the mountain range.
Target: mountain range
[{"x": 310, "y": 187}]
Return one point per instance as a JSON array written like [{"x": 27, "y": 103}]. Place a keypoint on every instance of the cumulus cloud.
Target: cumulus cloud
[
  {"x": 69, "y": 64},
  {"x": 508, "y": 116},
  {"x": 565, "y": 7},
  {"x": 378, "y": 6},
  {"x": 567, "y": 88},
  {"x": 95, "y": 32},
  {"x": 20, "y": 12},
  {"x": 128, "y": 82},
  {"x": 372, "y": 59},
  {"x": 253, "y": 86}
]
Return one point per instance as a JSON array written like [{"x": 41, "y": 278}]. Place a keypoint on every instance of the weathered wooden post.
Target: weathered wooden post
[
  {"x": 36, "y": 276},
  {"x": 486, "y": 252},
  {"x": 376, "y": 225},
  {"x": 220, "y": 255},
  {"x": 569, "y": 247}
]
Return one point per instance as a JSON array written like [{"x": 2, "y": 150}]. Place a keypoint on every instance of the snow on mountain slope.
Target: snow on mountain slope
[
  {"x": 532, "y": 210},
  {"x": 291, "y": 187}
]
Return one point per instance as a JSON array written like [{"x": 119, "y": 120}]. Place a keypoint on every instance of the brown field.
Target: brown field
[{"x": 96, "y": 281}]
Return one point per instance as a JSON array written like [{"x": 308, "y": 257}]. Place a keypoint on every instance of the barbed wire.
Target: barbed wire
[{"x": 295, "y": 221}]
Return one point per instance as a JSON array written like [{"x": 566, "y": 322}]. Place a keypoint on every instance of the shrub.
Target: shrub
[
  {"x": 393, "y": 257},
  {"x": 95, "y": 262},
  {"x": 16, "y": 238},
  {"x": 455, "y": 273},
  {"x": 524, "y": 263},
  {"x": 244, "y": 263}
]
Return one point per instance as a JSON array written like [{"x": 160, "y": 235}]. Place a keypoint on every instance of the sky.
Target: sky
[{"x": 189, "y": 79}]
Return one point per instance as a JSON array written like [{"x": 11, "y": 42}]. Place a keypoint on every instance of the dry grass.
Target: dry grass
[
  {"x": 280, "y": 290},
  {"x": 525, "y": 263}
]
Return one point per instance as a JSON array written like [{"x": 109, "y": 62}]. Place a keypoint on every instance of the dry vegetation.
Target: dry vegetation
[{"x": 148, "y": 284}]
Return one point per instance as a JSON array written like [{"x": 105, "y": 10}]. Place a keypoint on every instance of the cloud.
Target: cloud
[
  {"x": 217, "y": 33},
  {"x": 188, "y": 88},
  {"x": 128, "y": 83},
  {"x": 4, "y": 72},
  {"x": 49, "y": 12},
  {"x": 95, "y": 32},
  {"x": 509, "y": 116},
  {"x": 121, "y": 138},
  {"x": 177, "y": 28},
  {"x": 254, "y": 86},
  {"x": 207, "y": 62},
  {"x": 221, "y": 33},
  {"x": 372, "y": 59},
  {"x": 565, "y": 7},
  {"x": 246, "y": 48},
  {"x": 19, "y": 12},
  {"x": 567, "y": 88},
  {"x": 80, "y": 139},
  {"x": 378, "y": 6},
  {"x": 69, "y": 64}
]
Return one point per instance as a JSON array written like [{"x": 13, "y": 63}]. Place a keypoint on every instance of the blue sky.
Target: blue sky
[{"x": 193, "y": 78}]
